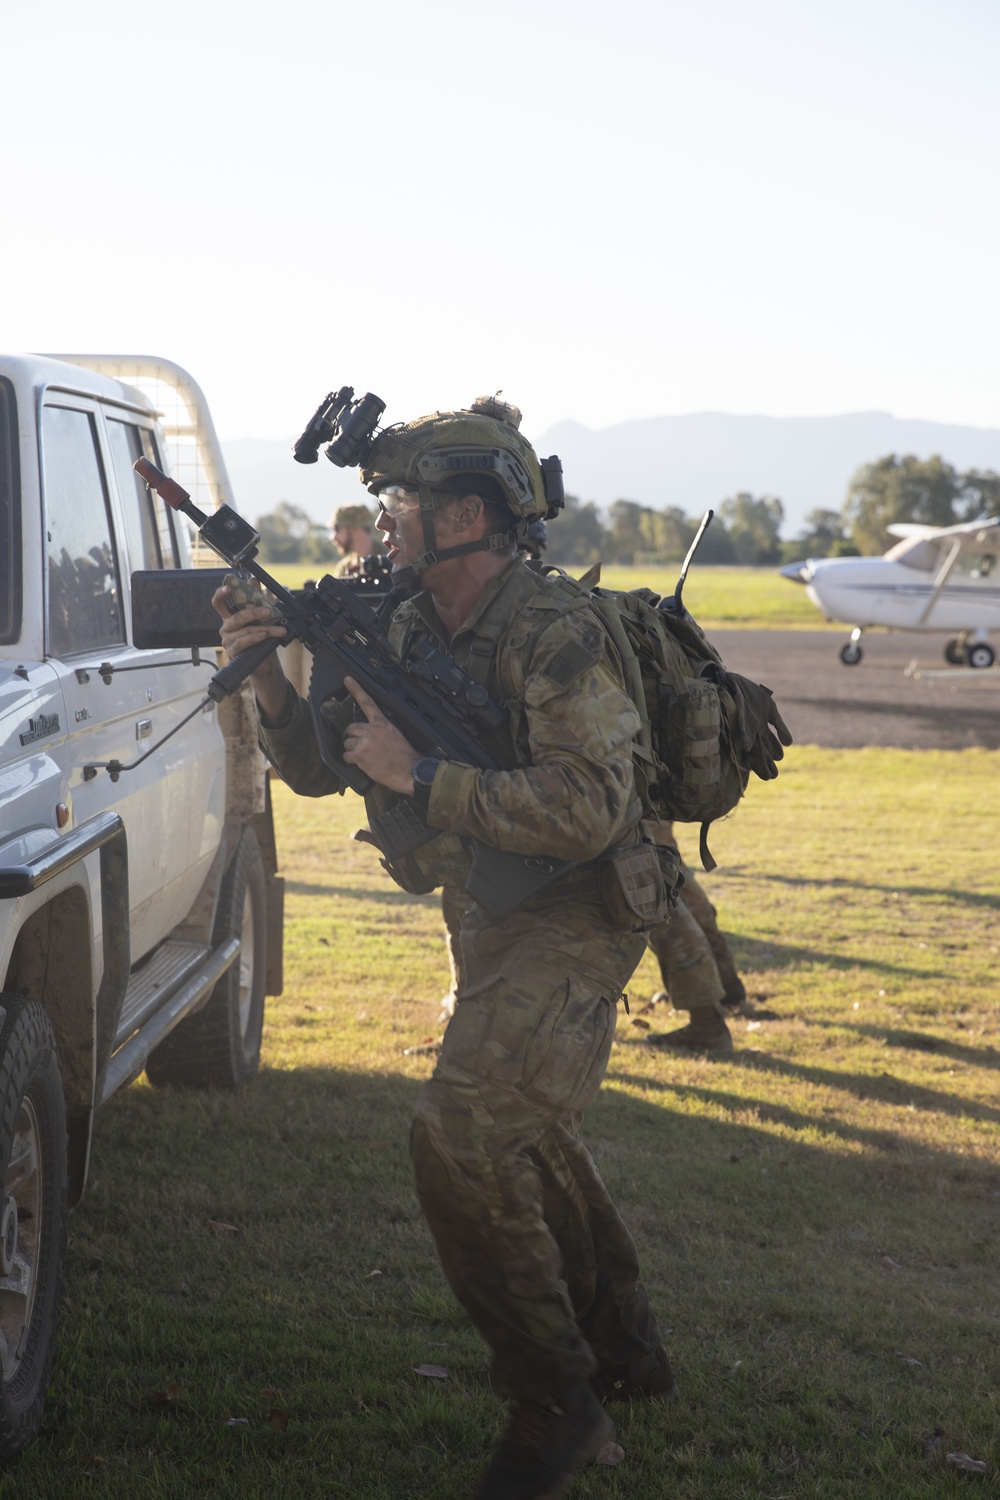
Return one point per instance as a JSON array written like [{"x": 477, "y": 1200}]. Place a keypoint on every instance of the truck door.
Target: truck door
[
  {"x": 195, "y": 758},
  {"x": 85, "y": 627}
]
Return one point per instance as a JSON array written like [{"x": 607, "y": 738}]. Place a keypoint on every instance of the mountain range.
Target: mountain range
[{"x": 691, "y": 461}]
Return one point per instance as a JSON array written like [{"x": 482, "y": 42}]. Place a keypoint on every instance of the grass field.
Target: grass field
[
  {"x": 716, "y": 596},
  {"x": 251, "y": 1286}
]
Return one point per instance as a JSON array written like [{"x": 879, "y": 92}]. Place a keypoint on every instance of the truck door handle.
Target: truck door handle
[{"x": 143, "y": 729}]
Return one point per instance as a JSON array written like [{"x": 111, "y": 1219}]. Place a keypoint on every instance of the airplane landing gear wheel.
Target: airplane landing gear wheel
[
  {"x": 851, "y": 654},
  {"x": 980, "y": 654},
  {"x": 954, "y": 653}
]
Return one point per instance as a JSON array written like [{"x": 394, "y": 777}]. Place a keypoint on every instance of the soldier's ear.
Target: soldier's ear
[
  {"x": 473, "y": 507},
  {"x": 467, "y": 511}
]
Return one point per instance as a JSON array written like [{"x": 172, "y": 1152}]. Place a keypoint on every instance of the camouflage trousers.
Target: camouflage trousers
[
  {"x": 687, "y": 964},
  {"x": 694, "y": 957},
  {"x": 529, "y": 1238}
]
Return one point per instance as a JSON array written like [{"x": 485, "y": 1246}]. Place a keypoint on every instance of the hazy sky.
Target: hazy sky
[{"x": 606, "y": 210}]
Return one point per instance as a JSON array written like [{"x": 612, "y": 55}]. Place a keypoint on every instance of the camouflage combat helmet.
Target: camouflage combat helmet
[
  {"x": 353, "y": 515},
  {"x": 482, "y": 441}
]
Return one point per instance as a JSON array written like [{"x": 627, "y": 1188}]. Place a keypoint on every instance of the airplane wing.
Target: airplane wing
[{"x": 969, "y": 534}]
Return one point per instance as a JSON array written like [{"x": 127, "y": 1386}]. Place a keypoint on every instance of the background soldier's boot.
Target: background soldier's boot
[
  {"x": 645, "y": 1378},
  {"x": 706, "y": 1032},
  {"x": 544, "y": 1445}
]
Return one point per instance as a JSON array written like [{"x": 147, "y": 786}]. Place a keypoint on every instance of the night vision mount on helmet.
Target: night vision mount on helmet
[
  {"x": 426, "y": 455},
  {"x": 344, "y": 424}
]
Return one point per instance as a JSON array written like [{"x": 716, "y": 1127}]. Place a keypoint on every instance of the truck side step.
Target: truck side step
[{"x": 194, "y": 973}]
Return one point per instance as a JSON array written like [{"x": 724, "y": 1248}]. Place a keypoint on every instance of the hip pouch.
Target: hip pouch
[{"x": 638, "y": 885}]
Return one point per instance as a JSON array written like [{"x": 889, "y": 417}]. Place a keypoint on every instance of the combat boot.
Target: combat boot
[
  {"x": 705, "y": 1032},
  {"x": 648, "y": 1377},
  {"x": 544, "y": 1445}
]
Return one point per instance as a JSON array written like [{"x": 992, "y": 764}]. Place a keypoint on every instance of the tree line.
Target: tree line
[{"x": 745, "y": 530}]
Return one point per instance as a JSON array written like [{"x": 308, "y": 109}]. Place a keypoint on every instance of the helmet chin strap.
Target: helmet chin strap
[{"x": 497, "y": 541}]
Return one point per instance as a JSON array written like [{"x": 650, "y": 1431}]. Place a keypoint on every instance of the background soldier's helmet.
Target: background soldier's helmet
[
  {"x": 481, "y": 441},
  {"x": 353, "y": 515}
]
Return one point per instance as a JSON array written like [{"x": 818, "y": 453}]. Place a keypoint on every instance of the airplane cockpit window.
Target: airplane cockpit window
[
  {"x": 979, "y": 566},
  {"x": 915, "y": 552}
]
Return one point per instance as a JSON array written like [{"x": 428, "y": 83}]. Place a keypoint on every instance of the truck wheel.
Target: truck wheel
[
  {"x": 219, "y": 1046},
  {"x": 32, "y": 1216}
]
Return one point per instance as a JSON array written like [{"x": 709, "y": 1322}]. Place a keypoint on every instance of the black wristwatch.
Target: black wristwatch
[{"x": 424, "y": 773}]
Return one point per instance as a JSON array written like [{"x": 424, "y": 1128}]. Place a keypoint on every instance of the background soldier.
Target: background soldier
[
  {"x": 352, "y": 528},
  {"x": 528, "y": 1235}
]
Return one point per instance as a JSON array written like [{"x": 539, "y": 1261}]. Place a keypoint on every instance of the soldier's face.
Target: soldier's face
[
  {"x": 342, "y": 539},
  {"x": 399, "y": 521}
]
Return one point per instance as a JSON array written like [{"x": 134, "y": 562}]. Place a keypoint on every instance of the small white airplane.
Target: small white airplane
[{"x": 936, "y": 578}]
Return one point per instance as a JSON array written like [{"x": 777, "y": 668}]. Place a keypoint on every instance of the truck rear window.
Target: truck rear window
[{"x": 10, "y": 518}]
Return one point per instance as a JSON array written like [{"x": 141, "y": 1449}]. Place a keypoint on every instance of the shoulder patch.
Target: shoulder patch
[{"x": 574, "y": 658}]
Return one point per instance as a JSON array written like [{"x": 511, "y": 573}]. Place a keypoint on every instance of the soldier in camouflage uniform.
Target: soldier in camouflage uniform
[
  {"x": 352, "y": 528},
  {"x": 453, "y": 899},
  {"x": 528, "y": 1236}
]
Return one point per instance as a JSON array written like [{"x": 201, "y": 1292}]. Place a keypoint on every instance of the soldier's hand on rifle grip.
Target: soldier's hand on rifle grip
[
  {"x": 245, "y": 628},
  {"x": 377, "y": 747}
]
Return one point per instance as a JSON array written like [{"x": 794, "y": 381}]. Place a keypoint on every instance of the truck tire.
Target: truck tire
[
  {"x": 32, "y": 1215},
  {"x": 219, "y": 1045}
]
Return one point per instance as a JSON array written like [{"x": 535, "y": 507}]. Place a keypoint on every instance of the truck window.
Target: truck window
[
  {"x": 137, "y": 501},
  {"x": 10, "y": 520},
  {"x": 166, "y": 519},
  {"x": 84, "y": 609}
]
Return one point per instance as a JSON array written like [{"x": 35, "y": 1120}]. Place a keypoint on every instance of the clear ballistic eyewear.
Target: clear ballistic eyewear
[{"x": 395, "y": 500}]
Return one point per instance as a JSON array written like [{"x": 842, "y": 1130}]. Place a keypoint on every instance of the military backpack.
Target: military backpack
[{"x": 704, "y": 728}]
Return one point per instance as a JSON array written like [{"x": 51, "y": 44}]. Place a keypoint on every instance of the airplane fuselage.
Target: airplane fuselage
[{"x": 870, "y": 591}]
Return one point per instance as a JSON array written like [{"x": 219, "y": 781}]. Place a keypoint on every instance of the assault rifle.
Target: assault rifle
[{"x": 439, "y": 709}]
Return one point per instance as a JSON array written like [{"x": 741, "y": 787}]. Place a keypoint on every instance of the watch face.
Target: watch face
[{"x": 424, "y": 771}]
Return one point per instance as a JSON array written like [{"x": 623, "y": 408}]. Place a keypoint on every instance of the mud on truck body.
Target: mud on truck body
[{"x": 140, "y": 908}]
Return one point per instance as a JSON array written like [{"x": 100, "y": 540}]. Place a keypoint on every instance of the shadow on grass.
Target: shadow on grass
[
  {"x": 879, "y": 1090},
  {"x": 923, "y": 892},
  {"x": 264, "y": 1250},
  {"x": 882, "y": 1087},
  {"x": 754, "y": 954},
  {"x": 918, "y": 1041}
]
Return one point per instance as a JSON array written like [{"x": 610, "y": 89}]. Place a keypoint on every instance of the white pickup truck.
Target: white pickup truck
[{"x": 140, "y": 906}]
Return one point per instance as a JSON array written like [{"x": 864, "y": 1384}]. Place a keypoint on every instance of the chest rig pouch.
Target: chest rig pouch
[{"x": 639, "y": 885}]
